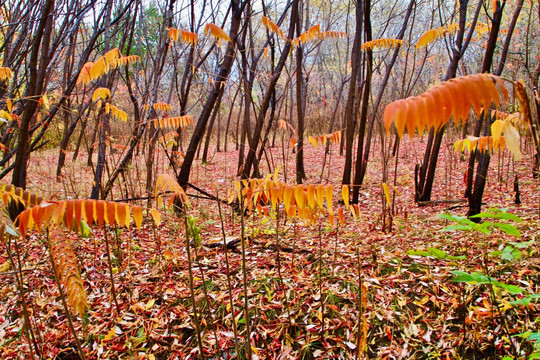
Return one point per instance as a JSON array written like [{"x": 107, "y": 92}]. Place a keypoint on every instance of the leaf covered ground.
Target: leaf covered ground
[{"x": 304, "y": 283}]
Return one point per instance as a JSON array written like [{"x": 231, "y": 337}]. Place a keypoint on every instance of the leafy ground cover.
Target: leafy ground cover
[{"x": 432, "y": 287}]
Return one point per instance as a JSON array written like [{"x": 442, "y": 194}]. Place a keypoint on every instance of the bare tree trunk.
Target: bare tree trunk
[
  {"x": 210, "y": 127},
  {"x": 426, "y": 173},
  {"x": 368, "y": 137},
  {"x": 475, "y": 200},
  {"x": 350, "y": 114},
  {"x": 300, "y": 171},
  {"x": 366, "y": 91},
  {"x": 38, "y": 68},
  {"x": 250, "y": 159},
  {"x": 219, "y": 81}
]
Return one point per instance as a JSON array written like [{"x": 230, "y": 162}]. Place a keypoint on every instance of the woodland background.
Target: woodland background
[{"x": 232, "y": 180}]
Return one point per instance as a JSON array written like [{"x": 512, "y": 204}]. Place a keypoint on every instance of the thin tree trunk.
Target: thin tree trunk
[
  {"x": 250, "y": 159},
  {"x": 475, "y": 200},
  {"x": 219, "y": 81},
  {"x": 350, "y": 115},
  {"x": 38, "y": 68},
  {"x": 365, "y": 102}
]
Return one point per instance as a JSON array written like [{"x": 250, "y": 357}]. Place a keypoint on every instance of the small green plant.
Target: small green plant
[
  {"x": 194, "y": 230},
  {"x": 511, "y": 252},
  {"x": 486, "y": 227},
  {"x": 435, "y": 253}
]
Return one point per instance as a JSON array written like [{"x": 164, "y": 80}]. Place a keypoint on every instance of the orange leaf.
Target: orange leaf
[
  {"x": 89, "y": 211},
  {"x": 435, "y": 107},
  {"x": 110, "y": 215},
  {"x": 218, "y": 32},
  {"x": 24, "y": 217},
  {"x": 122, "y": 214},
  {"x": 78, "y": 207},
  {"x": 100, "y": 212},
  {"x": 69, "y": 214},
  {"x": 137, "y": 216}
]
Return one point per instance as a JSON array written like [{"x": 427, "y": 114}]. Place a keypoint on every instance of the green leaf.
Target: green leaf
[
  {"x": 498, "y": 215},
  {"x": 418, "y": 252},
  {"x": 526, "y": 300},
  {"x": 512, "y": 289},
  {"x": 453, "y": 218},
  {"x": 84, "y": 229},
  {"x": 509, "y": 253},
  {"x": 522, "y": 245},
  {"x": 474, "y": 278},
  {"x": 458, "y": 227},
  {"x": 509, "y": 229},
  {"x": 439, "y": 254},
  {"x": 459, "y": 257},
  {"x": 483, "y": 227}
]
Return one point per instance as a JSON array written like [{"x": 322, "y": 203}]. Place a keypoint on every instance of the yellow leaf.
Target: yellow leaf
[
  {"x": 497, "y": 129},
  {"x": 511, "y": 136},
  {"x": 111, "y": 334},
  {"x": 386, "y": 190},
  {"x": 345, "y": 195},
  {"x": 300, "y": 195},
  {"x": 276, "y": 172},
  {"x": 329, "y": 200},
  {"x": 382, "y": 43},
  {"x": 101, "y": 93},
  {"x": 312, "y": 196},
  {"x": 320, "y": 195},
  {"x": 156, "y": 215},
  {"x": 313, "y": 141},
  {"x": 288, "y": 195},
  {"x": 150, "y": 303},
  {"x": 5, "y": 267},
  {"x": 5, "y": 73}
]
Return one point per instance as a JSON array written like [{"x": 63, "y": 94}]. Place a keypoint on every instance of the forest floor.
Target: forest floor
[{"x": 303, "y": 289}]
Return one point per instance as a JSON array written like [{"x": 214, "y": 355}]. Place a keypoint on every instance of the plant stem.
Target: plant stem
[
  {"x": 359, "y": 345},
  {"x": 321, "y": 279},
  {"x": 113, "y": 289},
  {"x": 207, "y": 298},
  {"x": 19, "y": 277},
  {"x": 279, "y": 268},
  {"x": 244, "y": 272},
  {"x": 191, "y": 288},
  {"x": 229, "y": 285}
]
